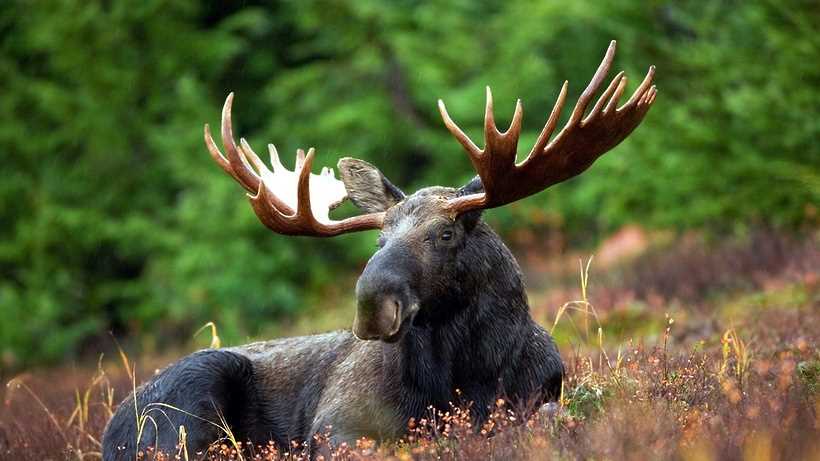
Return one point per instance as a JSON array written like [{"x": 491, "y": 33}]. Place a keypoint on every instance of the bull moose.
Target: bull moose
[{"x": 441, "y": 304}]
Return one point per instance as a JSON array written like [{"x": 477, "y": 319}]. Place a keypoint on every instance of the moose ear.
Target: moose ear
[
  {"x": 473, "y": 187},
  {"x": 471, "y": 218},
  {"x": 367, "y": 187}
]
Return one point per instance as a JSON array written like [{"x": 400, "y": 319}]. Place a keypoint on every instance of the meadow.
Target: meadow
[
  {"x": 691, "y": 350},
  {"x": 693, "y": 333}
]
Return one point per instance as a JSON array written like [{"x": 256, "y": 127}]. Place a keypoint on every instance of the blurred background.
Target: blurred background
[{"x": 114, "y": 220}]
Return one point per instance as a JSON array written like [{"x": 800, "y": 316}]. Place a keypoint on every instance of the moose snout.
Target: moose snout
[
  {"x": 378, "y": 317},
  {"x": 385, "y": 301}
]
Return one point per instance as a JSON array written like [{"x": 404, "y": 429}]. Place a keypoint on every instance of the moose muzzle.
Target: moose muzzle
[
  {"x": 380, "y": 319},
  {"x": 386, "y": 303}
]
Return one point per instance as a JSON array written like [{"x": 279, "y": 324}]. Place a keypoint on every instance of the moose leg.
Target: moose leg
[{"x": 201, "y": 392}]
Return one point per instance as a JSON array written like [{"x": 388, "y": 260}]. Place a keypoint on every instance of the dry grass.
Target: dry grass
[{"x": 738, "y": 377}]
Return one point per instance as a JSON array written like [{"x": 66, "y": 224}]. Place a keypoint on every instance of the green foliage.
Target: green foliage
[
  {"x": 809, "y": 373},
  {"x": 114, "y": 218},
  {"x": 585, "y": 400}
]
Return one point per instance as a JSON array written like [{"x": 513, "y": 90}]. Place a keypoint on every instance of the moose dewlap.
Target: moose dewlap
[{"x": 441, "y": 303}]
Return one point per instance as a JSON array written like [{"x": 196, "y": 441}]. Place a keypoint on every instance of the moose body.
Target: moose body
[
  {"x": 442, "y": 316},
  {"x": 473, "y": 334}
]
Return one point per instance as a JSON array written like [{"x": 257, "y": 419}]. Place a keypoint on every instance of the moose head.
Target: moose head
[{"x": 431, "y": 238}]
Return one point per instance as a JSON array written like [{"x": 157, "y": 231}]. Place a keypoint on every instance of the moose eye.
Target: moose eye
[{"x": 447, "y": 235}]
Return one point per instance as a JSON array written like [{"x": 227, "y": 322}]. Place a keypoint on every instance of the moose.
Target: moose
[{"x": 442, "y": 315}]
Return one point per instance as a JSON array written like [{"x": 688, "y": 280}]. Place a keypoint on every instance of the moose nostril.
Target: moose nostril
[
  {"x": 378, "y": 315},
  {"x": 389, "y": 313}
]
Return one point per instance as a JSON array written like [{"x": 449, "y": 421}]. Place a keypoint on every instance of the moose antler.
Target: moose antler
[
  {"x": 274, "y": 195},
  {"x": 572, "y": 151}
]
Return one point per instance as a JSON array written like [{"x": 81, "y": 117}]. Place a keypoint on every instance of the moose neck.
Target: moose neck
[{"x": 466, "y": 339}]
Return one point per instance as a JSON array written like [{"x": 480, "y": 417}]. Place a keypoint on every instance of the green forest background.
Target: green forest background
[{"x": 114, "y": 219}]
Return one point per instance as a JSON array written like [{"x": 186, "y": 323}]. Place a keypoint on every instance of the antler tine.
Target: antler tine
[
  {"x": 654, "y": 93},
  {"x": 246, "y": 176},
  {"x": 593, "y": 86},
  {"x": 462, "y": 138},
  {"x": 224, "y": 163},
  {"x": 303, "y": 209},
  {"x": 613, "y": 101},
  {"x": 549, "y": 127},
  {"x": 605, "y": 97},
  {"x": 250, "y": 155},
  {"x": 217, "y": 156},
  {"x": 642, "y": 88},
  {"x": 300, "y": 159},
  {"x": 275, "y": 162},
  {"x": 515, "y": 125},
  {"x": 490, "y": 128}
]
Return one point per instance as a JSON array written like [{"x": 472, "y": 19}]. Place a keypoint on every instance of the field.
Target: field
[
  {"x": 694, "y": 350},
  {"x": 679, "y": 274}
]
